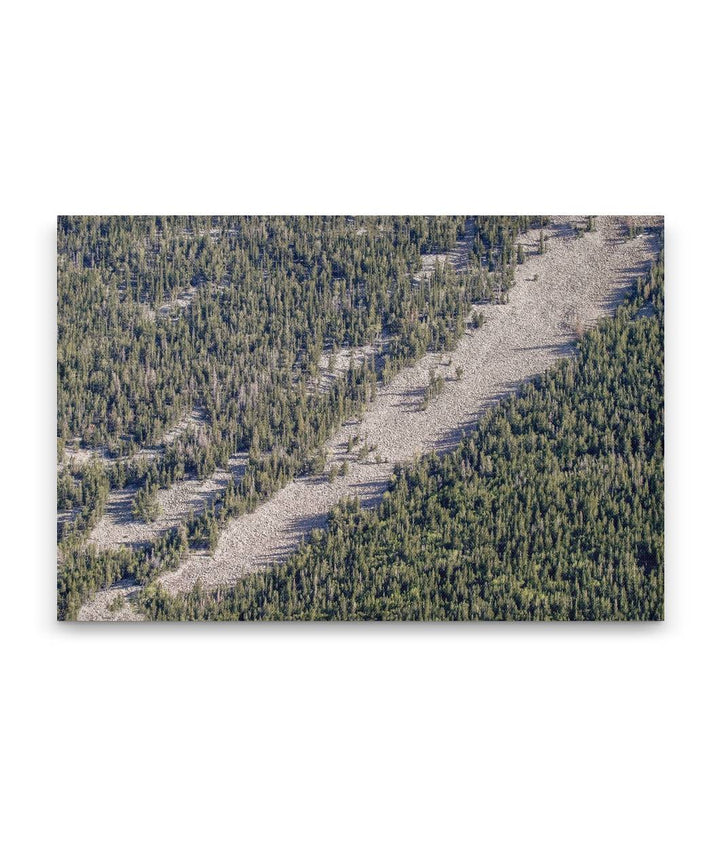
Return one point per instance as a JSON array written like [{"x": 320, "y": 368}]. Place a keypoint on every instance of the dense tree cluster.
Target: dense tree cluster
[
  {"x": 270, "y": 297},
  {"x": 85, "y": 570},
  {"x": 551, "y": 509},
  {"x": 145, "y": 504},
  {"x": 270, "y": 294}
]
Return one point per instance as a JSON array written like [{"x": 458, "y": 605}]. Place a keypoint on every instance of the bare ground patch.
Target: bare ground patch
[
  {"x": 117, "y": 527},
  {"x": 116, "y": 603}
]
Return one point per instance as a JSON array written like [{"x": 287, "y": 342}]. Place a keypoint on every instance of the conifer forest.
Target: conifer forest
[{"x": 427, "y": 418}]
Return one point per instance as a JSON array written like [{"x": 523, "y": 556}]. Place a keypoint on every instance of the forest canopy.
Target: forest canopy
[
  {"x": 185, "y": 343},
  {"x": 551, "y": 509},
  {"x": 235, "y": 319}
]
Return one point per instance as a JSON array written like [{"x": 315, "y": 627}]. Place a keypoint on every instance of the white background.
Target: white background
[{"x": 358, "y": 739}]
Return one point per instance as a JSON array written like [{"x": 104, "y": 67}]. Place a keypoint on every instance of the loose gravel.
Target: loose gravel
[{"x": 118, "y": 528}]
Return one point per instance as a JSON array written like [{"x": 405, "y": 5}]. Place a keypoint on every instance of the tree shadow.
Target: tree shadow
[
  {"x": 452, "y": 438},
  {"x": 303, "y": 526},
  {"x": 409, "y": 399},
  {"x": 561, "y": 230}
]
